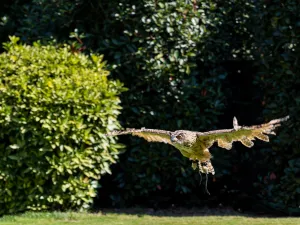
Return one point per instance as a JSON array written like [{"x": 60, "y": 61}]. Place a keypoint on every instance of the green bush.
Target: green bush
[{"x": 55, "y": 107}]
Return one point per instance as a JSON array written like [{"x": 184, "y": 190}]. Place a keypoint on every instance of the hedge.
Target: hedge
[{"x": 55, "y": 108}]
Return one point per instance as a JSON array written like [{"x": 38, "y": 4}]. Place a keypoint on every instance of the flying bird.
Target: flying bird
[{"x": 195, "y": 145}]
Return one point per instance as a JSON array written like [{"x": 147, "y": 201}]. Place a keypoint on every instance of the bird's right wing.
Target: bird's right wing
[
  {"x": 245, "y": 135},
  {"x": 152, "y": 135}
]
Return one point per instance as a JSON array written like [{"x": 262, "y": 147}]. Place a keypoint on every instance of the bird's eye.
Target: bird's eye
[{"x": 179, "y": 136}]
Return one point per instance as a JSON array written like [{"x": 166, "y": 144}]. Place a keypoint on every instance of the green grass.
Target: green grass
[{"x": 143, "y": 217}]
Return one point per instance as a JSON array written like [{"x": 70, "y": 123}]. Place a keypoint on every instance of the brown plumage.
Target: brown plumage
[{"x": 195, "y": 145}]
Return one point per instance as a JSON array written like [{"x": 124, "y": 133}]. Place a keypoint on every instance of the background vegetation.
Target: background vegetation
[{"x": 188, "y": 64}]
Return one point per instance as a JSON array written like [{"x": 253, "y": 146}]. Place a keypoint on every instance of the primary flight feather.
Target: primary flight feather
[{"x": 195, "y": 145}]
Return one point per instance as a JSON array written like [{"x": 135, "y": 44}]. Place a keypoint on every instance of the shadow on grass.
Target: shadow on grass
[{"x": 181, "y": 212}]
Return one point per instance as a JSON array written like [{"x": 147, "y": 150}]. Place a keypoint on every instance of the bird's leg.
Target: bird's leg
[
  {"x": 200, "y": 167},
  {"x": 200, "y": 171},
  {"x": 200, "y": 178},
  {"x": 196, "y": 164},
  {"x": 204, "y": 168},
  {"x": 206, "y": 185}
]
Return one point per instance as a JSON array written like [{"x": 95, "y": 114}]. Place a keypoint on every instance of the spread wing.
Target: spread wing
[
  {"x": 152, "y": 135},
  {"x": 246, "y": 135}
]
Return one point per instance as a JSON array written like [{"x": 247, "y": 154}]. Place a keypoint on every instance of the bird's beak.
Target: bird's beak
[{"x": 173, "y": 139}]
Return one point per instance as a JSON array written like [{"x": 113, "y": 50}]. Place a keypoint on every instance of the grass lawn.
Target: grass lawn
[{"x": 133, "y": 216}]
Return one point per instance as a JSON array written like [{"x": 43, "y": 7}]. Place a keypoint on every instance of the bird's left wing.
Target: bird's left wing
[
  {"x": 152, "y": 135},
  {"x": 245, "y": 135}
]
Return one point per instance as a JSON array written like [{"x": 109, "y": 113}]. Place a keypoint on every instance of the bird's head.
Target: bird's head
[{"x": 183, "y": 137}]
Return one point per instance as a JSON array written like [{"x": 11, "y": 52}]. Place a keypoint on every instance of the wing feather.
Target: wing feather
[
  {"x": 246, "y": 135},
  {"x": 152, "y": 135}
]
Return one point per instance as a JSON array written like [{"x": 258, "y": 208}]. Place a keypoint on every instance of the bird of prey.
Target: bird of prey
[{"x": 195, "y": 145}]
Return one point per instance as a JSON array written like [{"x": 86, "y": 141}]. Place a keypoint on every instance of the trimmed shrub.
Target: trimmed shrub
[{"x": 55, "y": 107}]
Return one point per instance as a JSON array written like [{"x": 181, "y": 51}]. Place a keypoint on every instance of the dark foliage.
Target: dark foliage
[
  {"x": 277, "y": 53},
  {"x": 188, "y": 65}
]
